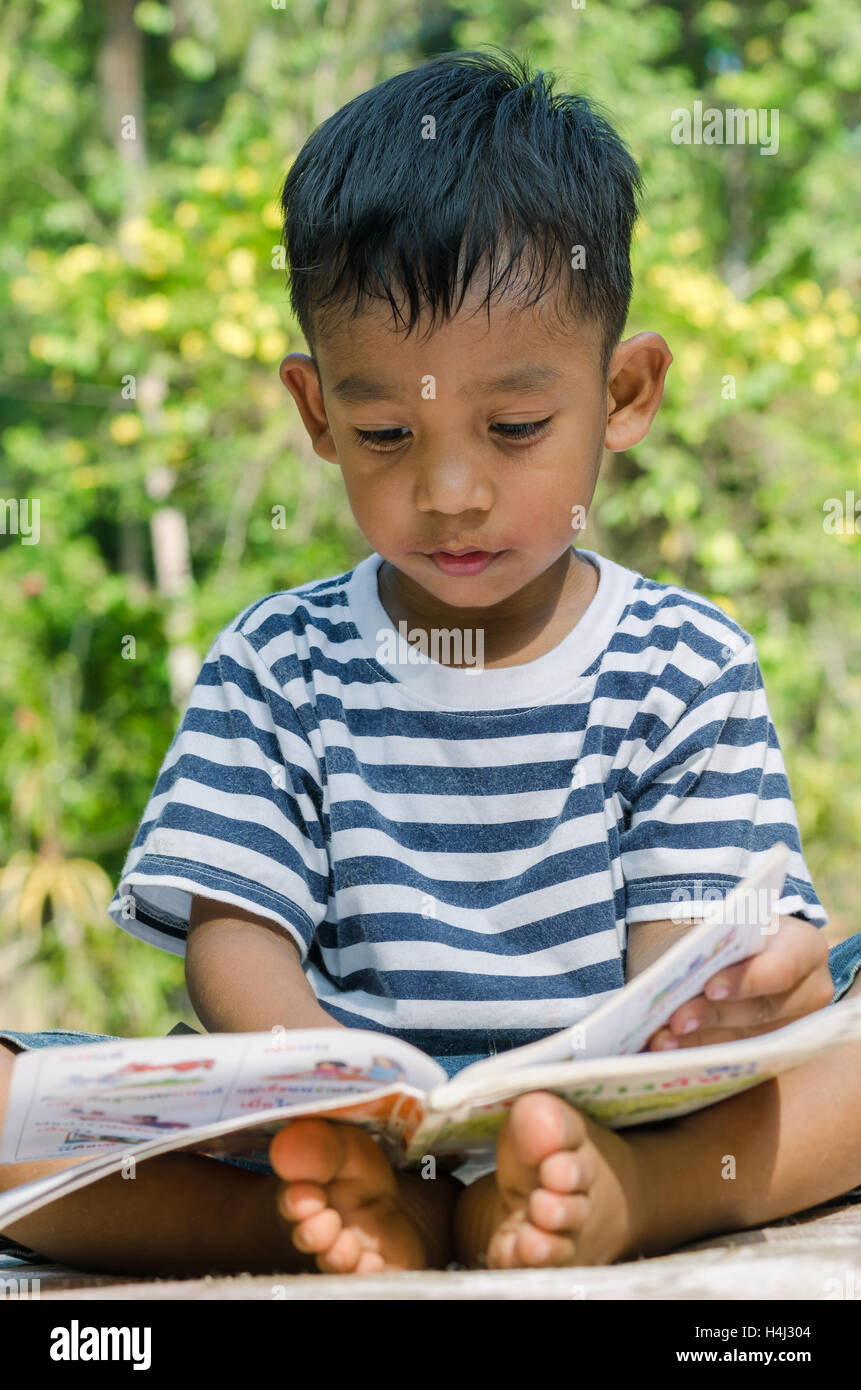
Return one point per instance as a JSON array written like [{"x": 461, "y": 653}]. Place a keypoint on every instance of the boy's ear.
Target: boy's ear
[
  {"x": 298, "y": 372},
  {"x": 634, "y": 388}
]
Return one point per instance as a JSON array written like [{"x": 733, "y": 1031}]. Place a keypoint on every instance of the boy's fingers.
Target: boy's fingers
[
  {"x": 796, "y": 950},
  {"x": 710, "y": 1037},
  {"x": 737, "y": 1018},
  {"x": 796, "y": 957}
]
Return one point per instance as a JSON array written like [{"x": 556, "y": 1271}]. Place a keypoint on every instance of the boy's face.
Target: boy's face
[{"x": 482, "y": 437}]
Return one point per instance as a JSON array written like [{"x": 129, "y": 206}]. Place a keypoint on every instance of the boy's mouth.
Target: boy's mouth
[{"x": 463, "y": 562}]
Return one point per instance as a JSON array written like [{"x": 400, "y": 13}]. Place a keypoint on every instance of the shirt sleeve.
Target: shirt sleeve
[
  {"x": 705, "y": 799},
  {"x": 237, "y": 813}
]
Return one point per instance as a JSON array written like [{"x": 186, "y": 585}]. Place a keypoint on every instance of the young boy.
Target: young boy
[{"x": 469, "y": 853}]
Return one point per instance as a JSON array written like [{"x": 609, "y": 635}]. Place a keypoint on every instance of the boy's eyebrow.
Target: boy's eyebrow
[{"x": 526, "y": 376}]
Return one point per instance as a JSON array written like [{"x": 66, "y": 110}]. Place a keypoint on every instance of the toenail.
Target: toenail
[{"x": 541, "y": 1249}]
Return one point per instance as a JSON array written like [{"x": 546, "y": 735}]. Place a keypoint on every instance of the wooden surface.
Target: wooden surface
[{"x": 811, "y": 1257}]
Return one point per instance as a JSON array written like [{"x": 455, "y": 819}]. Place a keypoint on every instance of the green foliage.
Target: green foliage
[{"x": 159, "y": 263}]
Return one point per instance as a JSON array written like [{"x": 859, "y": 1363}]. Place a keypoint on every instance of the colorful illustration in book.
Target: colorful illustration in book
[
  {"x": 75, "y": 1140},
  {"x": 380, "y": 1069},
  {"x": 151, "y": 1121},
  {"x": 136, "y": 1068}
]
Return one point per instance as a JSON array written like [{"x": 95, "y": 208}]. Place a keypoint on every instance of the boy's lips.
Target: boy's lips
[{"x": 463, "y": 562}]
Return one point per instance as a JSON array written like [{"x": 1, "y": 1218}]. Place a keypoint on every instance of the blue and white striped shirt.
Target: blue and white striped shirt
[{"x": 457, "y": 855}]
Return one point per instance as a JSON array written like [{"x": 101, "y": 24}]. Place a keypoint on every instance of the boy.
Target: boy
[{"x": 469, "y": 854}]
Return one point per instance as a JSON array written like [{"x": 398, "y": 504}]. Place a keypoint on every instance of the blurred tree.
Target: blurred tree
[{"x": 143, "y": 314}]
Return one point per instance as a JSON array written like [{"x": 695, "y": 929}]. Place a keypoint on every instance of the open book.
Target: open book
[{"x": 115, "y": 1103}]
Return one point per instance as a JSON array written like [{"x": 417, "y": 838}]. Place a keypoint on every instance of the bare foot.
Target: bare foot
[
  {"x": 351, "y": 1210},
  {"x": 564, "y": 1192}
]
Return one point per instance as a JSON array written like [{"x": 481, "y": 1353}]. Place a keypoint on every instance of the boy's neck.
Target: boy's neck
[{"x": 526, "y": 626}]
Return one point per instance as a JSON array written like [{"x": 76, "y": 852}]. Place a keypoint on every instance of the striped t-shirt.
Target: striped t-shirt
[{"x": 457, "y": 853}]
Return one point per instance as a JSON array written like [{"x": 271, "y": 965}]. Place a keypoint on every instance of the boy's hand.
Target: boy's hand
[{"x": 786, "y": 980}]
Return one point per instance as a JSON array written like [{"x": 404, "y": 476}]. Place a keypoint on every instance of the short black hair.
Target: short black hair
[{"x": 515, "y": 178}]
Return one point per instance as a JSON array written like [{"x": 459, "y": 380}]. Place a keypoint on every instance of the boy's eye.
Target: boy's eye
[
  {"x": 529, "y": 429},
  {"x": 381, "y": 440},
  {"x": 384, "y": 440}
]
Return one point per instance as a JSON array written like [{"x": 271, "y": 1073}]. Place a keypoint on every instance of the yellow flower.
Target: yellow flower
[
  {"x": 73, "y": 451},
  {"x": 272, "y": 345},
  {"x": 265, "y": 316},
  {"x": 154, "y": 312},
  {"x": 808, "y": 294},
  {"x": 186, "y": 215},
  {"x": 737, "y": 316},
  {"x": 819, "y": 330},
  {"x": 192, "y": 345},
  {"x": 128, "y": 318},
  {"x": 247, "y": 181},
  {"x": 773, "y": 310},
  {"x": 684, "y": 242},
  {"x": 22, "y": 289},
  {"x": 238, "y": 305},
  {"x": 241, "y": 266},
  {"x": 825, "y": 382},
  {"x": 78, "y": 261},
  {"x": 724, "y": 548},
  {"x": 211, "y": 179},
  {"x": 838, "y": 300},
  {"x": 726, "y": 603},
  {"x": 133, "y": 232},
  {"x": 126, "y": 428},
  {"x": 233, "y": 338},
  {"x": 691, "y": 357},
  {"x": 46, "y": 347},
  {"x": 789, "y": 349}
]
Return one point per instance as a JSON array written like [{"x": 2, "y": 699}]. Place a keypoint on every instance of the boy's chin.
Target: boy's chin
[{"x": 486, "y": 590}]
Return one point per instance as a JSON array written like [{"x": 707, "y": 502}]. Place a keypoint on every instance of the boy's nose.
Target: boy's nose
[{"x": 452, "y": 486}]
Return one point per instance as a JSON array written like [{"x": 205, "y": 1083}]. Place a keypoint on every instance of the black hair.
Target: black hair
[{"x": 515, "y": 178}]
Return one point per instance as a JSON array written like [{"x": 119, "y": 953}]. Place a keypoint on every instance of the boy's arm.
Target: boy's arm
[
  {"x": 244, "y": 974},
  {"x": 786, "y": 980}
]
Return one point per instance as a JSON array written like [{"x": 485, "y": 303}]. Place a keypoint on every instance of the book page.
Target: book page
[
  {"x": 650, "y": 1086},
  {"x": 732, "y": 930},
  {"x": 95, "y": 1097}
]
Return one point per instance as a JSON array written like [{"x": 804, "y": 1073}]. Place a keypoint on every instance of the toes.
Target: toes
[
  {"x": 569, "y": 1172},
  {"x": 542, "y": 1123},
  {"x": 307, "y": 1150},
  {"x": 549, "y": 1211},
  {"x": 502, "y": 1251},
  {"x": 321, "y": 1152},
  {"x": 521, "y": 1245},
  {"x": 343, "y": 1255},
  {"x": 299, "y": 1200},
  {"x": 538, "y": 1125},
  {"x": 538, "y": 1249},
  {"x": 318, "y": 1233}
]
